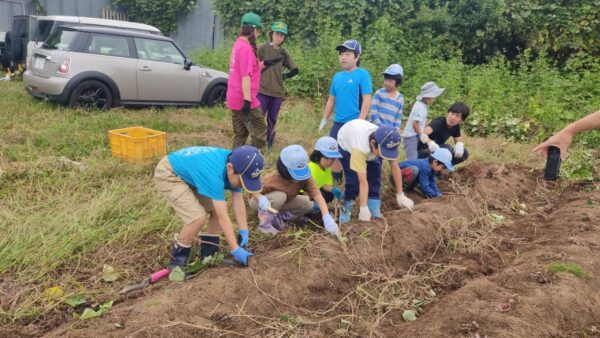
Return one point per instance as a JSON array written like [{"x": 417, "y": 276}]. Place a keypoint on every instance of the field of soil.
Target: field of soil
[{"x": 503, "y": 254}]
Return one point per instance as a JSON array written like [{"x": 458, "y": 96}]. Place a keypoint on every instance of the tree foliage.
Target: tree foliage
[{"x": 162, "y": 14}]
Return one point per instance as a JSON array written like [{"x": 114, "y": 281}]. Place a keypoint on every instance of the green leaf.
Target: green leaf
[
  {"x": 106, "y": 306},
  {"x": 177, "y": 275},
  {"x": 88, "y": 313},
  {"x": 76, "y": 300},
  {"x": 409, "y": 315},
  {"x": 496, "y": 218},
  {"x": 109, "y": 274}
]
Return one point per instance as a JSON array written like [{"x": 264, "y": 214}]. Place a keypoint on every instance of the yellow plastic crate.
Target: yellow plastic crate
[{"x": 137, "y": 144}]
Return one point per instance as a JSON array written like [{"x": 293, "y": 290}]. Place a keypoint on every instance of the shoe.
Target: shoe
[
  {"x": 179, "y": 256},
  {"x": 375, "y": 207},
  {"x": 209, "y": 245},
  {"x": 265, "y": 224},
  {"x": 346, "y": 212},
  {"x": 280, "y": 221}
]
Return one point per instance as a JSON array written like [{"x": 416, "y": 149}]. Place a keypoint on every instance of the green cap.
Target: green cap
[
  {"x": 279, "y": 26},
  {"x": 251, "y": 19}
]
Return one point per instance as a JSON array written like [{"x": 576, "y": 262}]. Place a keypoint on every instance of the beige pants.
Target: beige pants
[
  {"x": 185, "y": 200},
  {"x": 299, "y": 205}
]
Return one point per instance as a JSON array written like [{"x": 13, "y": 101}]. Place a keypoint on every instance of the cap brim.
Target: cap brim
[
  {"x": 338, "y": 47},
  {"x": 251, "y": 185},
  {"x": 300, "y": 174},
  {"x": 388, "y": 154},
  {"x": 449, "y": 166},
  {"x": 332, "y": 154}
]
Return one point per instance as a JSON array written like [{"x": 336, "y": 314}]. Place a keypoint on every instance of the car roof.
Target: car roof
[
  {"x": 99, "y": 22},
  {"x": 115, "y": 31}
]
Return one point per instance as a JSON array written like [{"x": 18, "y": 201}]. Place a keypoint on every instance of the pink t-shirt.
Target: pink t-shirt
[{"x": 243, "y": 62}]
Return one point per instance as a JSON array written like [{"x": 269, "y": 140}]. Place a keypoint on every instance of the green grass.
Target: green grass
[{"x": 571, "y": 268}]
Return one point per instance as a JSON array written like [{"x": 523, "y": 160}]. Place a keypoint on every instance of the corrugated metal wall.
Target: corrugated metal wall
[{"x": 198, "y": 29}]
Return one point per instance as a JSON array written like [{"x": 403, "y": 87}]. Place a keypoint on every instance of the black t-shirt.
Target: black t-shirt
[{"x": 441, "y": 132}]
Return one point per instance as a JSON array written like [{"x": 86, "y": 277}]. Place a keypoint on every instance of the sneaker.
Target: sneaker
[{"x": 265, "y": 224}]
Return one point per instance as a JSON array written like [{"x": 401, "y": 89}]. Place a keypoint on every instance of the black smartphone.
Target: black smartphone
[{"x": 552, "y": 170}]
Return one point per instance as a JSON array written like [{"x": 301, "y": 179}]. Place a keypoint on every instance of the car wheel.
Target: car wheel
[
  {"x": 216, "y": 95},
  {"x": 91, "y": 94}
]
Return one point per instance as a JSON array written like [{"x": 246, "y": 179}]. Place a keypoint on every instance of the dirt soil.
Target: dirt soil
[{"x": 474, "y": 263}]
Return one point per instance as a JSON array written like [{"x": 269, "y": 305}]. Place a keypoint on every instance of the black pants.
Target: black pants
[
  {"x": 425, "y": 153},
  {"x": 327, "y": 195}
]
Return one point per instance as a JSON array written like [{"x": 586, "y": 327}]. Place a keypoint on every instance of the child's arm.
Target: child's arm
[
  {"x": 239, "y": 210},
  {"x": 225, "y": 223},
  {"x": 397, "y": 175},
  {"x": 425, "y": 183},
  {"x": 366, "y": 105},
  {"x": 416, "y": 127},
  {"x": 434, "y": 187},
  {"x": 328, "y": 107}
]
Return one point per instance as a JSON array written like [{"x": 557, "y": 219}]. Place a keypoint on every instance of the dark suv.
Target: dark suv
[{"x": 94, "y": 67}]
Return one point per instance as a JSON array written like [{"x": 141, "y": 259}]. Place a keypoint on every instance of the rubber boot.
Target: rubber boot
[
  {"x": 209, "y": 245},
  {"x": 346, "y": 212},
  {"x": 374, "y": 205},
  {"x": 179, "y": 256}
]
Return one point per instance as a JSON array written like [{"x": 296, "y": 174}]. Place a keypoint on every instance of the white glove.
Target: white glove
[
  {"x": 433, "y": 146},
  {"x": 322, "y": 124},
  {"x": 459, "y": 149},
  {"x": 404, "y": 201},
  {"x": 263, "y": 203},
  {"x": 330, "y": 225},
  {"x": 424, "y": 138},
  {"x": 364, "y": 214}
]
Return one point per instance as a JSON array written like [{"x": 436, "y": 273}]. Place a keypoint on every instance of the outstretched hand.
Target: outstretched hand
[{"x": 562, "y": 140}]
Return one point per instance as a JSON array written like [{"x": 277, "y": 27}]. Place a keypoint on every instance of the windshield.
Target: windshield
[{"x": 60, "y": 40}]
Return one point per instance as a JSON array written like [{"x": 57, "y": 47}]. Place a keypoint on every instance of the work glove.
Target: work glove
[
  {"x": 273, "y": 62},
  {"x": 433, "y": 146},
  {"x": 330, "y": 225},
  {"x": 241, "y": 255},
  {"x": 424, "y": 138},
  {"x": 263, "y": 203},
  {"x": 404, "y": 202},
  {"x": 322, "y": 124},
  {"x": 246, "y": 108},
  {"x": 364, "y": 214},
  {"x": 337, "y": 193},
  {"x": 459, "y": 149},
  {"x": 245, "y": 238}
]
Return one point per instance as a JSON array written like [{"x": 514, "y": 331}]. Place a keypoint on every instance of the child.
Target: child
[
  {"x": 388, "y": 102},
  {"x": 440, "y": 129},
  {"x": 282, "y": 188},
  {"x": 350, "y": 93},
  {"x": 321, "y": 159},
  {"x": 424, "y": 171},
  {"x": 271, "y": 92},
  {"x": 418, "y": 117},
  {"x": 242, "y": 87},
  {"x": 194, "y": 181},
  {"x": 363, "y": 145}
]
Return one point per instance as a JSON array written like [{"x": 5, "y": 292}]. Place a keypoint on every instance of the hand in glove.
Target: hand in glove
[
  {"x": 245, "y": 238},
  {"x": 241, "y": 255},
  {"x": 330, "y": 225},
  {"x": 459, "y": 149},
  {"x": 364, "y": 214},
  {"x": 433, "y": 146},
  {"x": 273, "y": 62},
  {"x": 263, "y": 203},
  {"x": 404, "y": 202},
  {"x": 424, "y": 138},
  {"x": 322, "y": 124},
  {"x": 246, "y": 108},
  {"x": 337, "y": 193}
]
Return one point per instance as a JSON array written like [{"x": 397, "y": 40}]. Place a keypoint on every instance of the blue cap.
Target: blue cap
[
  {"x": 394, "y": 69},
  {"x": 248, "y": 163},
  {"x": 328, "y": 146},
  {"x": 295, "y": 159},
  {"x": 351, "y": 45},
  {"x": 388, "y": 139},
  {"x": 444, "y": 156}
]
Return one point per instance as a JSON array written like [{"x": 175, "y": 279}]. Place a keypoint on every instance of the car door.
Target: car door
[{"x": 161, "y": 75}]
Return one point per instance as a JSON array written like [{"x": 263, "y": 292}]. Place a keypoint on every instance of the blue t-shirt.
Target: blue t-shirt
[
  {"x": 345, "y": 88},
  {"x": 427, "y": 182},
  {"x": 204, "y": 168}
]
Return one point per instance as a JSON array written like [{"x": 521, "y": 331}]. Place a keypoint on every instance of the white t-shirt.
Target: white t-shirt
[
  {"x": 419, "y": 114},
  {"x": 354, "y": 135}
]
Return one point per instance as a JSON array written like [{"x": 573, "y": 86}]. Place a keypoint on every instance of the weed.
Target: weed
[{"x": 571, "y": 268}]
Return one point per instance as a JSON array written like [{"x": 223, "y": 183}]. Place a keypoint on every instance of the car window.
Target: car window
[
  {"x": 44, "y": 29},
  {"x": 61, "y": 40},
  {"x": 157, "y": 50},
  {"x": 109, "y": 45}
]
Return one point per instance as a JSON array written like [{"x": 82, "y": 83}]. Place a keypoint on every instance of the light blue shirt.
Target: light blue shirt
[
  {"x": 204, "y": 168},
  {"x": 345, "y": 88},
  {"x": 386, "y": 111},
  {"x": 419, "y": 114}
]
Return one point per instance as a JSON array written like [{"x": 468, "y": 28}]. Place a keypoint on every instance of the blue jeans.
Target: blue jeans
[{"x": 373, "y": 178}]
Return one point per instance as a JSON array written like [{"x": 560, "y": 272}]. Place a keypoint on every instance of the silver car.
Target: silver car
[{"x": 98, "y": 68}]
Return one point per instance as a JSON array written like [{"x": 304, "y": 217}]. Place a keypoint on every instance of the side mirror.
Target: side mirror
[{"x": 187, "y": 64}]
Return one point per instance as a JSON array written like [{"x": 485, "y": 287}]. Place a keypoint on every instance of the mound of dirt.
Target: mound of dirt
[{"x": 477, "y": 262}]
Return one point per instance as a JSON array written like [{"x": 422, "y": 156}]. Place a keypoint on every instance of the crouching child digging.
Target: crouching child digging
[{"x": 194, "y": 181}]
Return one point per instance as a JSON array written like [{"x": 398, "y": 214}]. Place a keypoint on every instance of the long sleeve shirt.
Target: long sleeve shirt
[{"x": 427, "y": 182}]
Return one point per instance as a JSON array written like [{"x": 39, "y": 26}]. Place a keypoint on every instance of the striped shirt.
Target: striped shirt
[{"x": 386, "y": 111}]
